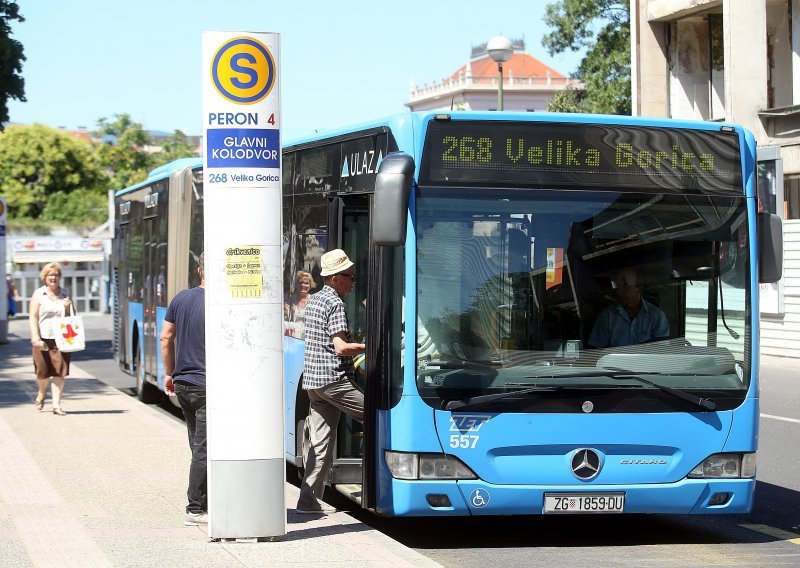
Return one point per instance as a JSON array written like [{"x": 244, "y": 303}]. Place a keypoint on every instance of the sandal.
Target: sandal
[
  {"x": 57, "y": 410},
  {"x": 39, "y": 404}
]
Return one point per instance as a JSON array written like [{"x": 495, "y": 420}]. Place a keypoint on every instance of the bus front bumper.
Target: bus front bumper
[{"x": 475, "y": 497}]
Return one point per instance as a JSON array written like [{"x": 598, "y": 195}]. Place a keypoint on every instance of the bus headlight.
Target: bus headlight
[
  {"x": 404, "y": 465},
  {"x": 725, "y": 466}
]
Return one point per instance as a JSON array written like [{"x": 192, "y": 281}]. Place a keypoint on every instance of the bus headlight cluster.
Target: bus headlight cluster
[
  {"x": 725, "y": 466},
  {"x": 404, "y": 465}
]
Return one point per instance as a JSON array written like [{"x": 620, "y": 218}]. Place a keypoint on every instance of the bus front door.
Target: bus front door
[{"x": 349, "y": 230}]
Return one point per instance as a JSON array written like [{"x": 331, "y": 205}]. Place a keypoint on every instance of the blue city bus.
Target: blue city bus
[
  {"x": 487, "y": 249},
  {"x": 158, "y": 239}
]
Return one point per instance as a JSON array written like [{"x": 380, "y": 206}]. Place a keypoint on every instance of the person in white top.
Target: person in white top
[
  {"x": 295, "y": 312},
  {"x": 48, "y": 303}
]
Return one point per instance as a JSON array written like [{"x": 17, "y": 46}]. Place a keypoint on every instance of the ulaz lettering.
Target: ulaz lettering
[{"x": 360, "y": 163}]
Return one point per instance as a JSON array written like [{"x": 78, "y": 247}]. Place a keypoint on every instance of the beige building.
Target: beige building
[
  {"x": 735, "y": 61},
  {"x": 528, "y": 84}
]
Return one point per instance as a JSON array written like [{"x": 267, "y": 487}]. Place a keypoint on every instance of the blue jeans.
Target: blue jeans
[{"x": 192, "y": 399}]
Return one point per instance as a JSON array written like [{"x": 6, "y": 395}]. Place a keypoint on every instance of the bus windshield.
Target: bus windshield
[{"x": 525, "y": 289}]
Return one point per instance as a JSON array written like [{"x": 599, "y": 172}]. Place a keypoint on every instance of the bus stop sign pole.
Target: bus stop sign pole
[{"x": 244, "y": 297}]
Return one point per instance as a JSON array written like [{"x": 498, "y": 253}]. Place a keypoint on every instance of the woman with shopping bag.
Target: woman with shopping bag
[{"x": 47, "y": 308}]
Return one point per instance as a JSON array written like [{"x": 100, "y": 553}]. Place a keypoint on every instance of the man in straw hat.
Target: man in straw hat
[{"x": 328, "y": 375}]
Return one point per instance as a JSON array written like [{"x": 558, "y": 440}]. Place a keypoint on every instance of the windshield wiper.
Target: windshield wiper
[
  {"x": 617, "y": 374},
  {"x": 475, "y": 400},
  {"x": 613, "y": 373},
  {"x": 705, "y": 403}
]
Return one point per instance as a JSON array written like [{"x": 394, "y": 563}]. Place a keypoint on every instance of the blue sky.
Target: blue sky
[{"x": 341, "y": 62}]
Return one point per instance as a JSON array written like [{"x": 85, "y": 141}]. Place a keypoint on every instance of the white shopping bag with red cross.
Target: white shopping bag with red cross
[{"x": 70, "y": 336}]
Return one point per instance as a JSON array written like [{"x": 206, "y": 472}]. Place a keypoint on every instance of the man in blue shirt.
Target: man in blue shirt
[
  {"x": 633, "y": 320},
  {"x": 183, "y": 351}
]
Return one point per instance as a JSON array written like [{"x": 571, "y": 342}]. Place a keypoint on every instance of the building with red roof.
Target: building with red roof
[{"x": 528, "y": 84}]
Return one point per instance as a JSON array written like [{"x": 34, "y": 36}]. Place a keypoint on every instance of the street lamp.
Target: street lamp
[{"x": 500, "y": 50}]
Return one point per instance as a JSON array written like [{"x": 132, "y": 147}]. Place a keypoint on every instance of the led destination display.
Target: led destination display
[{"x": 614, "y": 158}]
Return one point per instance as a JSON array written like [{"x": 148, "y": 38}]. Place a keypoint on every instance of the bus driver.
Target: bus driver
[{"x": 632, "y": 320}]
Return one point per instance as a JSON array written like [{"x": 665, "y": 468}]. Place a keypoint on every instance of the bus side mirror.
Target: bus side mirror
[
  {"x": 390, "y": 205},
  {"x": 770, "y": 248}
]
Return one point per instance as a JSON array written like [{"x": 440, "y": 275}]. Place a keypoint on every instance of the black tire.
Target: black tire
[
  {"x": 301, "y": 411},
  {"x": 145, "y": 392},
  {"x": 301, "y": 439}
]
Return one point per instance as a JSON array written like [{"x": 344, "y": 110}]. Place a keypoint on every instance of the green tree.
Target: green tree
[
  {"x": 175, "y": 147},
  {"x": 12, "y": 85},
  {"x": 124, "y": 150},
  {"x": 84, "y": 207},
  {"x": 38, "y": 163},
  {"x": 569, "y": 100},
  {"x": 602, "y": 27}
]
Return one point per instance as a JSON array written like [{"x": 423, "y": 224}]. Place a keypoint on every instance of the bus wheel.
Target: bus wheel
[
  {"x": 303, "y": 440},
  {"x": 144, "y": 390}
]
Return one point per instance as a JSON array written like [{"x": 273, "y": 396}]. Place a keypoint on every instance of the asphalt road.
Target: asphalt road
[{"x": 769, "y": 536}]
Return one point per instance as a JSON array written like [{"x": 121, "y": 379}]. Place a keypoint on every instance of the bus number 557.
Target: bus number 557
[{"x": 464, "y": 441}]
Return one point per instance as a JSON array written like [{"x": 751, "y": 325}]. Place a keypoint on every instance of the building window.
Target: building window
[
  {"x": 779, "y": 54},
  {"x": 791, "y": 188},
  {"x": 717, "y": 66},
  {"x": 697, "y": 67}
]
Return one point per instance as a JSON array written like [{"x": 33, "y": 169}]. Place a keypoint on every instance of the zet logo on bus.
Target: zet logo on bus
[{"x": 243, "y": 70}]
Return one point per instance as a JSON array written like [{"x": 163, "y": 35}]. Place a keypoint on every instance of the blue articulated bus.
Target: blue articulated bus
[
  {"x": 158, "y": 239},
  {"x": 560, "y": 311}
]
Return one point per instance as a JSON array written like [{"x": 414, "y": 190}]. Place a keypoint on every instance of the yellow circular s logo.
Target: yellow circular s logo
[{"x": 243, "y": 70}]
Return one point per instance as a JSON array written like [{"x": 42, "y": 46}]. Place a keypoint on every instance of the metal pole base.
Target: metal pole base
[{"x": 246, "y": 499}]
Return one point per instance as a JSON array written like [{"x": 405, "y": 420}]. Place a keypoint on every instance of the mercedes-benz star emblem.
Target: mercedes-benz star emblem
[{"x": 585, "y": 464}]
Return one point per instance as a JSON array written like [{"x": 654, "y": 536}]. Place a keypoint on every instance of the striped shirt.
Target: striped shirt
[{"x": 325, "y": 317}]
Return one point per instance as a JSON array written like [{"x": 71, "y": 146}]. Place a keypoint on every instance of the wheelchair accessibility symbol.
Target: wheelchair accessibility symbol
[{"x": 479, "y": 498}]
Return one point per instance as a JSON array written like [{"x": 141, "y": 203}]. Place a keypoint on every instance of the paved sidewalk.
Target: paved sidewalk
[{"x": 106, "y": 486}]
